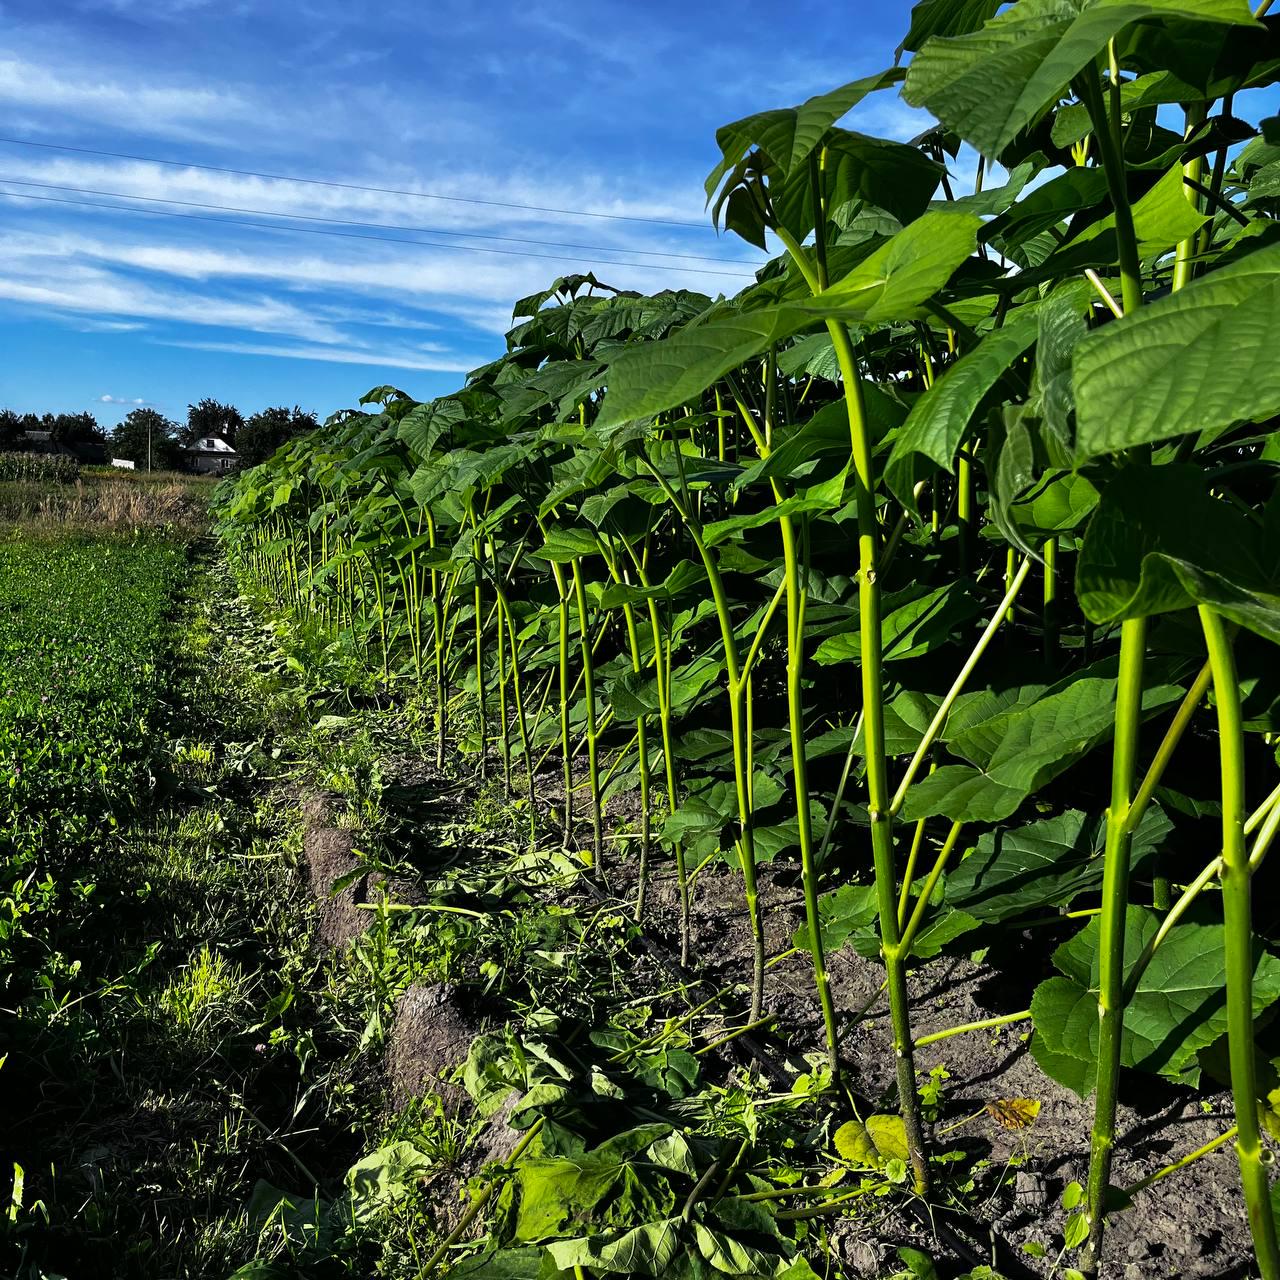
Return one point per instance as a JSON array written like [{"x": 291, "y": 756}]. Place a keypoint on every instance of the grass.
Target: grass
[{"x": 106, "y": 500}]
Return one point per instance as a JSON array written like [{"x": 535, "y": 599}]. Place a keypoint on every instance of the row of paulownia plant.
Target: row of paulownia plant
[{"x": 944, "y": 559}]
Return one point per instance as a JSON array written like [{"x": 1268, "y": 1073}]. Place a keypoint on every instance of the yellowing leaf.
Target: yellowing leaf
[
  {"x": 890, "y": 1136},
  {"x": 854, "y": 1144},
  {"x": 1014, "y": 1113}
]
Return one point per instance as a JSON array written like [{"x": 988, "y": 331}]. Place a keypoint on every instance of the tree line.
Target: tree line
[{"x": 147, "y": 434}]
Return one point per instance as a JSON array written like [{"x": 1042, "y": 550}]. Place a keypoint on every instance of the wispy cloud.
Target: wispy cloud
[
  {"x": 395, "y": 358},
  {"x": 85, "y": 93},
  {"x": 136, "y": 402}
]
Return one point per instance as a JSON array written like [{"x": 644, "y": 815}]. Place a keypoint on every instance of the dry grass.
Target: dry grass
[{"x": 106, "y": 501}]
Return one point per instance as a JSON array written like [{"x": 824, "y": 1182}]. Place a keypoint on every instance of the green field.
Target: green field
[{"x": 82, "y": 627}]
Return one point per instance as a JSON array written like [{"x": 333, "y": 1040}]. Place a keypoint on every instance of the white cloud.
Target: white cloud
[
  {"x": 438, "y": 216},
  {"x": 85, "y": 93},
  {"x": 396, "y": 358},
  {"x": 108, "y": 399}
]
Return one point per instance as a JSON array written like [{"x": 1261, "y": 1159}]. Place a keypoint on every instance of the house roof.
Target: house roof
[{"x": 211, "y": 444}]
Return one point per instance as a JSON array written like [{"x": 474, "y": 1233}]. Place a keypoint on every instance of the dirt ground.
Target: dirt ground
[{"x": 1191, "y": 1225}]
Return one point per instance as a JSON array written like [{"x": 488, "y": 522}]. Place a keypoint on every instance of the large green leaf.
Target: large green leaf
[
  {"x": 937, "y": 422},
  {"x": 1019, "y": 751},
  {"x": 931, "y": 18},
  {"x": 988, "y": 85},
  {"x": 1178, "y": 1006},
  {"x": 909, "y": 629},
  {"x": 646, "y": 1250},
  {"x": 1043, "y": 864},
  {"x": 1196, "y": 360},
  {"x": 1159, "y": 542},
  {"x": 891, "y": 284}
]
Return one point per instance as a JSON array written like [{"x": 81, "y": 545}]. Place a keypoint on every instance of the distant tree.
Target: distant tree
[
  {"x": 129, "y": 440},
  {"x": 212, "y": 418},
  {"x": 76, "y": 428},
  {"x": 266, "y": 431},
  {"x": 10, "y": 428}
]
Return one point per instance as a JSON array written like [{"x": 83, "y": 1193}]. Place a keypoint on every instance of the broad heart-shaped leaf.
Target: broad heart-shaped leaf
[
  {"x": 1158, "y": 542},
  {"x": 609, "y": 1186},
  {"x": 1043, "y": 864},
  {"x": 1196, "y": 360},
  {"x": 937, "y": 422},
  {"x": 647, "y": 1250},
  {"x": 988, "y": 85},
  {"x": 789, "y": 134},
  {"x": 1018, "y": 752},
  {"x": 1177, "y": 1009},
  {"x": 564, "y": 543},
  {"x": 890, "y": 284}
]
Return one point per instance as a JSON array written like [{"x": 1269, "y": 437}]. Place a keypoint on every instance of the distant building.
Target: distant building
[{"x": 211, "y": 455}]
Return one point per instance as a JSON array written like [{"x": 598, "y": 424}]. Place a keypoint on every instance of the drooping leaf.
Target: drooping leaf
[
  {"x": 1047, "y": 863},
  {"x": 937, "y": 422},
  {"x": 931, "y": 18},
  {"x": 1159, "y": 542},
  {"x": 787, "y": 135}
]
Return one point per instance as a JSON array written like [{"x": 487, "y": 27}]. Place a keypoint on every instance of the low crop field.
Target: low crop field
[{"x": 80, "y": 631}]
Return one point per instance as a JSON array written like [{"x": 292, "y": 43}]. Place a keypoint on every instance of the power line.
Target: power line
[
  {"x": 353, "y": 235},
  {"x": 354, "y": 186},
  {"x": 377, "y": 226}
]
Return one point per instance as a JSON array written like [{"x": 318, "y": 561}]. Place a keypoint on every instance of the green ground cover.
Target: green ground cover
[{"x": 80, "y": 628}]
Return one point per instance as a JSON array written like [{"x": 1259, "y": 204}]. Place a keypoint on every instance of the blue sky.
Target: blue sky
[{"x": 610, "y": 107}]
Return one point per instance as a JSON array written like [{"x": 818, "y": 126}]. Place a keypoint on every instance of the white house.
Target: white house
[{"x": 211, "y": 454}]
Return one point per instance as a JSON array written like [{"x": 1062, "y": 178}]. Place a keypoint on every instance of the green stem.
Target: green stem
[
  {"x": 1185, "y": 254},
  {"x": 1239, "y": 945},
  {"x": 1142, "y": 1184},
  {"x": 879, "y": 811},
  {"x": 1115, "y": 902},
  {"x": 984, "y": 1024},
  {"x": 957, "y": 685},
  {"x": 589, "y": 692},
  {"x": 1049, "y": 601}
]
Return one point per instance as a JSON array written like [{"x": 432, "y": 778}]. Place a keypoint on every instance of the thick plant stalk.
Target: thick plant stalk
[
  {"x": 1238, "y": 921},
  {"x": 1108, "y": 128},
  {"x": 637, "y": 665},
  {"x": 1049, "y": 601},
  {"x": 566, "y": 750},
  {"x": 504, "y": 736},
  {"x": 964, "y": 510},
  {"x": 800, "y": 773},
  {"x": 796, "y": 597},
  {"x": 877, "y": 764},
  {"x": 739, "y": 715},
  {"x": 1115, "y": 903},
  {"x": 589, "y": 692},
  {"x": 478, "y": 601},
  {"x": 662, "y": 673}
]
